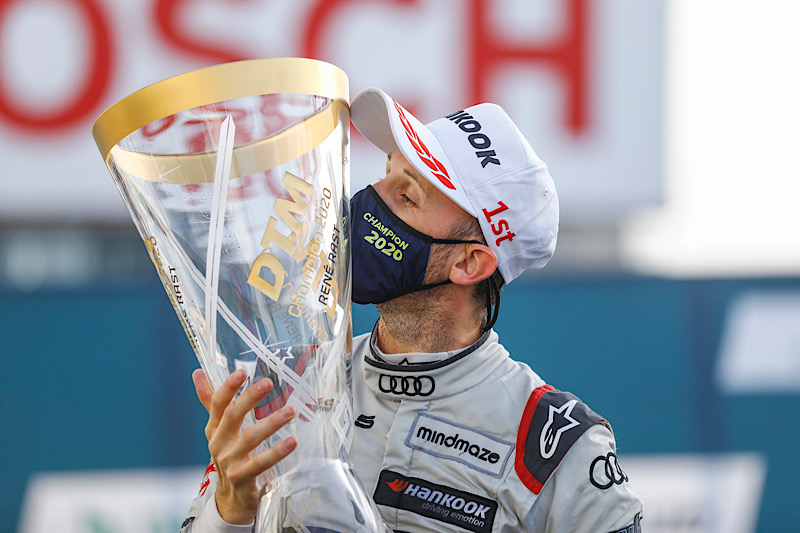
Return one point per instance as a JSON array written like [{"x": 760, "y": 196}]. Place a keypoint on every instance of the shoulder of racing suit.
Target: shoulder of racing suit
[{"x": 551, "y": 423}]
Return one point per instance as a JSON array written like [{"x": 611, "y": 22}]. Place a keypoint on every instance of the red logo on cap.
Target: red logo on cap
[{"x": 422, "y": 151}]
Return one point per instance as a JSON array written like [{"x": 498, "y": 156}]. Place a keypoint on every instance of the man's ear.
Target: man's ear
[{"x": 477, "y": 263}]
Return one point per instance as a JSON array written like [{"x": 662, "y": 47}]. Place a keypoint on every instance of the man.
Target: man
[{"x": 442, "y": 408}]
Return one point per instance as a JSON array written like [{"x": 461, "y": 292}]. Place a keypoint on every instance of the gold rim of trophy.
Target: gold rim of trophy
[{"x": 220, "y": 83}]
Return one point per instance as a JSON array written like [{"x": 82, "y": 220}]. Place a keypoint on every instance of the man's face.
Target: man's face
[{"x": 416, "y": 201}]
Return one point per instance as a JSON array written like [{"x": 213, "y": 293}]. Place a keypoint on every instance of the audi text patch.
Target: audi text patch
[
  {"x": 472, "y": 447},
  {"x": 440, "y": 502}
]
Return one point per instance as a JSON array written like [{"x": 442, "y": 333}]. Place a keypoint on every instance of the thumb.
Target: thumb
[{"x": 203, "y": 388}]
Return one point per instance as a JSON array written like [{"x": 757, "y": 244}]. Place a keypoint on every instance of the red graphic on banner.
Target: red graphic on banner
[
  {"x": 91, "y": 91},
  {"x": 170, "y": 19},
  {"x": 567, "y": 55},
  {"x": 487, "y": 52}
]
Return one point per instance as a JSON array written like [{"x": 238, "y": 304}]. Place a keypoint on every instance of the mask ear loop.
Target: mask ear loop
[{"x": 492, "y": 314}]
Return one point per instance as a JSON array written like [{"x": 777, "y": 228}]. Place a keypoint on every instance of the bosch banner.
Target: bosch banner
[{"x": 582, "y": 78}]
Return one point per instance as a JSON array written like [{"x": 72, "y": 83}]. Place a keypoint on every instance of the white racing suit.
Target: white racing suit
[{"x": 476, "y": 442}]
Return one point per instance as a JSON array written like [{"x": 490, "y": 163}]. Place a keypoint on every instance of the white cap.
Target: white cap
[{"x": 481, "y": 161}]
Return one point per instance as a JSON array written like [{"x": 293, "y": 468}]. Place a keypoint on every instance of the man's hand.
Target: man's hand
[{"x": 237, "y": 496}]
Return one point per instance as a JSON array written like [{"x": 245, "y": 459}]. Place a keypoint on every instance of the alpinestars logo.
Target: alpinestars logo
[
  {"x": 558, "y": 421},
  {"x": 440, "y": 502},
  {"x": 551, "y": 423}
]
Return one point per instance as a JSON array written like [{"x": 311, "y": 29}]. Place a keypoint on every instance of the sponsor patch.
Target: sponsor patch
[
  {"x": 635, "y": 527},
  {"x": 476, "y": 449},
  {"x": 364, "y": 421},
  {"x": 604, "y": 472},
  {"x": 480, "y": 141},
  {"x": 411, "y": 386},
  {"x": 436, "y": 167},
  {"x": 439, "y": 502},
  {"x": 551, "y": 423}
]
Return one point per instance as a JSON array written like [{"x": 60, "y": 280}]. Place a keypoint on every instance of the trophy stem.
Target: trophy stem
[{"x": 219, "y": 201}]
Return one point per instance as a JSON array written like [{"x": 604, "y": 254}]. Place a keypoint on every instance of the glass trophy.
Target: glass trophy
[{"x": 237, "y": 179}]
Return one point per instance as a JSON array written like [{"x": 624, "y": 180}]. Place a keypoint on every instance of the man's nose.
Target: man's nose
[{"x": 382, "y": 187}]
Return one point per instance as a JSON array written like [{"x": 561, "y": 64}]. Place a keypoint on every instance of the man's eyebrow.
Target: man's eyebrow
[{"x": 413, "y": 174}]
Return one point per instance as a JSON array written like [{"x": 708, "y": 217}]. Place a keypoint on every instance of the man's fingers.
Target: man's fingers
[
  {"x": 265, "y": 460},
  {"x": 234, "y": 414},
  {"x": 256, "y": 434},
  {"x": 221, "y": 399},
  {"x": 234, "y": 458},
  {"x": 203, "y": 388}
]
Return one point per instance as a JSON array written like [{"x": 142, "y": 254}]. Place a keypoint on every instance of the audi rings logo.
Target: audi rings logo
[
  {"x": 407, "y": 385},
  {"x": 605, "y": 472}
]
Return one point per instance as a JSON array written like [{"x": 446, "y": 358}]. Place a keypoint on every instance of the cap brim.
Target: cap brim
[{"x": 390, "y": 127}]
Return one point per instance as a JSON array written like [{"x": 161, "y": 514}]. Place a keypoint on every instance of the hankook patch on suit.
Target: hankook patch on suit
[
  {"x": 477, "y": 449},
  {"x": 440, "y": 502},
  {"x": 551, "y": 423}
]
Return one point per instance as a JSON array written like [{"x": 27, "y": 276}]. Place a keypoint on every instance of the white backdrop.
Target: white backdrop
[{"x": 582, "y": 78}]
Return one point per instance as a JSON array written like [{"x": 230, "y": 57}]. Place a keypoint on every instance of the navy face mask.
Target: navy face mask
[{"x": 389, "y": 256}]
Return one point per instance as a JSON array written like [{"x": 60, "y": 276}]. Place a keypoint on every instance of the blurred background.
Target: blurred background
[{"x": 672, "y": 305}]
